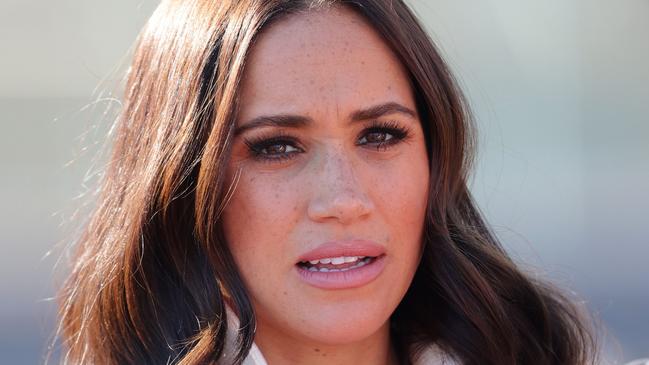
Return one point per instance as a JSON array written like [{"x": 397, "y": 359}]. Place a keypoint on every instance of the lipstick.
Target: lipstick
[{"x": 342, "y": 264}]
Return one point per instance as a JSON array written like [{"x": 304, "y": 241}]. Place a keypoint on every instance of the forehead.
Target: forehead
[{"x": 323, "y": 61}]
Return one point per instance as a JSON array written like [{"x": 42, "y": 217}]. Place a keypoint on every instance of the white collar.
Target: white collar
[
  {"x": 254, "y": 355},
  {"x": 431, "y": 355}
]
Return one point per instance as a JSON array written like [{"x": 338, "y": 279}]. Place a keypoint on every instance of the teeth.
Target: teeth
[
  {"x": 336, "y": 260},
  {"x": 358, "y": 264}
]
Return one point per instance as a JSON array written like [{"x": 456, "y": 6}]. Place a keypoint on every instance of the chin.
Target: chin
[
  {"x": 341, "y": 335},
  {"x": 343, "y": 324}
]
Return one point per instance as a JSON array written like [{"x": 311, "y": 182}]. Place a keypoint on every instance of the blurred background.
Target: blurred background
[{"x": 560, "y": 91}]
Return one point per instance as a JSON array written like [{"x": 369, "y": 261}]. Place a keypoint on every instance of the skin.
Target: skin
[{"x": 337, "y": 184}]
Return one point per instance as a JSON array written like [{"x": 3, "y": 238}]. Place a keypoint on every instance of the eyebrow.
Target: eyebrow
[{"x": 297, "y": 121}]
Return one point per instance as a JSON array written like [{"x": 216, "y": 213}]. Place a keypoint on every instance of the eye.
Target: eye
[
  {"x": 376, "y": 137},
  {"x": 278, "y": 149},
  {"x": 381, "y": 135},
  {"x": 270, "y": 149}
]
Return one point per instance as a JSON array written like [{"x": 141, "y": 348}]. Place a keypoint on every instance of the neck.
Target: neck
[{"x": 278, "y": 348}]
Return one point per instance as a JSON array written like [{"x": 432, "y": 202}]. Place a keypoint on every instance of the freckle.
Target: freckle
[
  {"x": 389, "y": 87},
  {"x": 285, "y": 293},
  {"x": 311, "y": 82},
  {"x": 362, "y": 62},
  {"x": 316, "y": 350}
]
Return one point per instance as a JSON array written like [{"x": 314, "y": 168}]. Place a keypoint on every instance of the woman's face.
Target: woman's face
[{"x": 326, "y": 220}]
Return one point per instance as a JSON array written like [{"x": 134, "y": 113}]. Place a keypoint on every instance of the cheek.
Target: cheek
[
  {"x": 257, "y": 220},
  {"x": 402, "y": 195}
]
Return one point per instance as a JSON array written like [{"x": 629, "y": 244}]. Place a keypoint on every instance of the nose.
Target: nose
[{"x": 338, "y": 194}]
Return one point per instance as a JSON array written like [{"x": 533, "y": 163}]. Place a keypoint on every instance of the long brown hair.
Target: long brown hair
[{"x": 152, "y": 272}]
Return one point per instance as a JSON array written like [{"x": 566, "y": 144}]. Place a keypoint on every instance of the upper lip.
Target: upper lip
[{"x": 354, "y": 247}]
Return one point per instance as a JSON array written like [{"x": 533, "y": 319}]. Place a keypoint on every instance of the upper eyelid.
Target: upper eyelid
[
  {"x": 359, "y": 116},
  {"x": 403, "y": 132},
  {"x": 264, "y": 142},
  {"x": 282, "y": 132},
  {"x": 388, "y": 124}
]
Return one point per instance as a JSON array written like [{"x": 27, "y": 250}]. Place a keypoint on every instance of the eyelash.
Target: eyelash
[{"x": 257, "y": 145}]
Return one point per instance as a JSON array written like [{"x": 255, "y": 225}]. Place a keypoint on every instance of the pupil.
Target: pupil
[
  {"x": 376, "y": 137},
  {"x": 277, "y": 149}
]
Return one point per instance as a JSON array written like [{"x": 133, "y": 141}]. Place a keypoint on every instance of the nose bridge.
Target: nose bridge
[
  {"x": 338, "y": 170},
  {"x": 339, "y": 192}
]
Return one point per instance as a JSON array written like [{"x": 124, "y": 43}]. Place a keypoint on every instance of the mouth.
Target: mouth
[
  {"x": 336, "y": 264},
  {"x": 332, "y": 274},
  {"x": 342, "y": 264}
]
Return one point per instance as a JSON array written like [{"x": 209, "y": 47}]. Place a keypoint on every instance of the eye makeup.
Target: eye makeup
[
  {"x": 383, "y": 134},
  {"x": 275, "y": 147}
]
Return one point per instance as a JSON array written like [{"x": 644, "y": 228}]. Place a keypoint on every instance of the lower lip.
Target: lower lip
[{"x": 353, "y": 278}]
